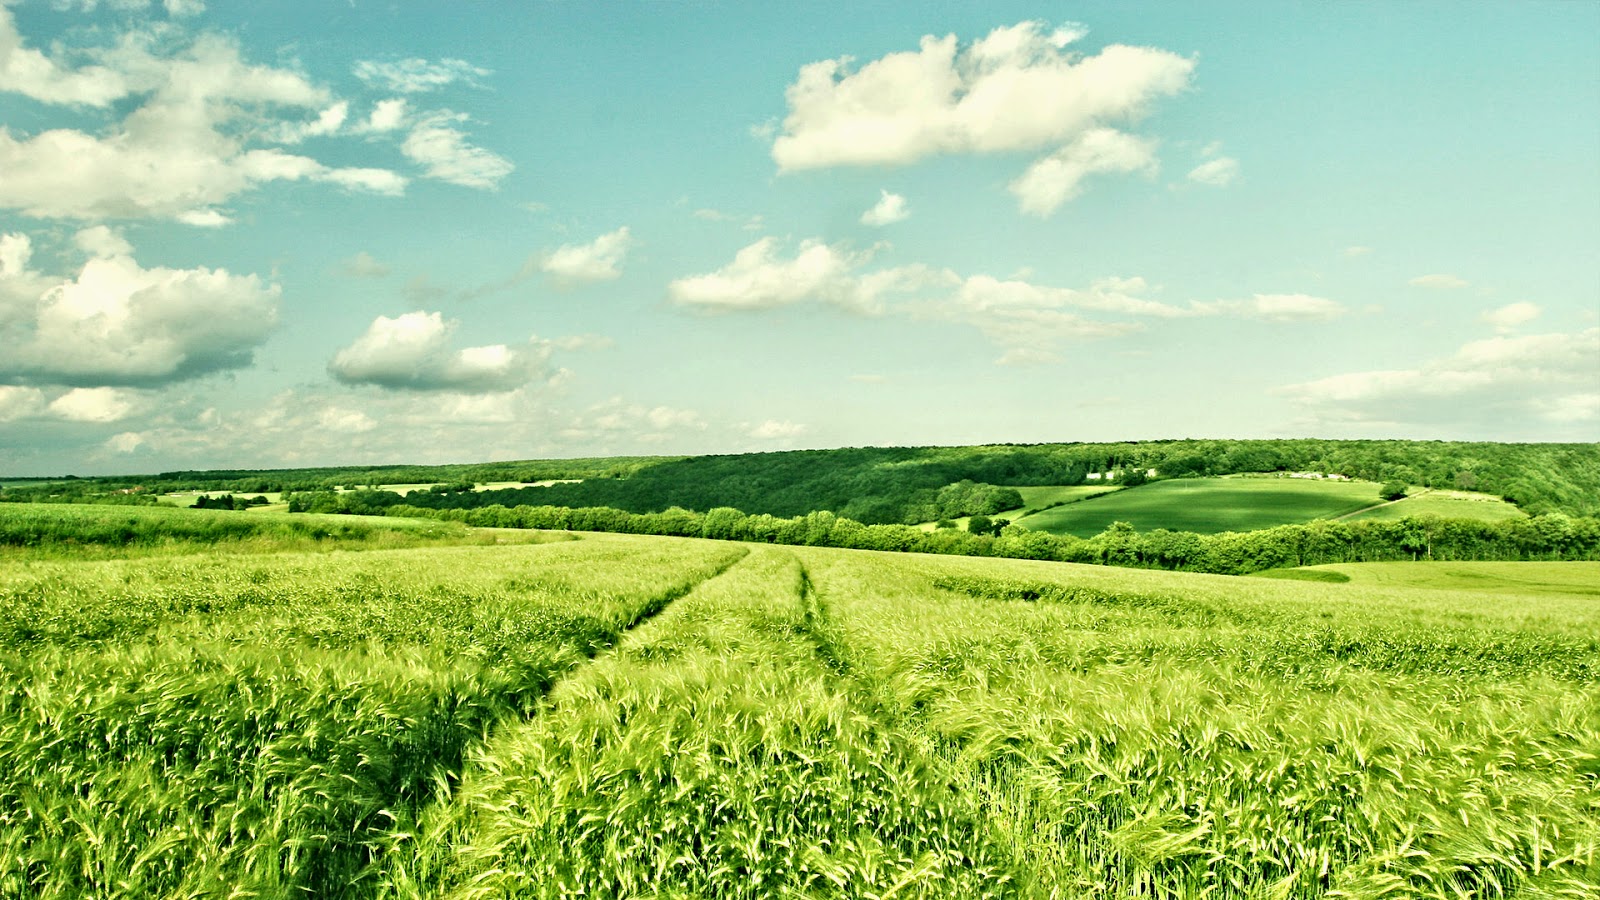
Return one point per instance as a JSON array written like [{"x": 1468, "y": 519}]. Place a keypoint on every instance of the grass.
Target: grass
[
  {"x": 654, "y": 717},
  {"x": 1565, "y": 579},
  {"x": 238, "y": 727},
  {"x": 80, "y": 531},
  {"x": 1037, "y": 498},
  {"x": 1209, "y": 505},
  {"x": 1447, "y": 505}
]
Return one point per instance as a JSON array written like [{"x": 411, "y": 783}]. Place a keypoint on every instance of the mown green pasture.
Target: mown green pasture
[
  {"x": 628, "y": 716},
  {"x": 1209, "y": 505},
  {"x": 1446, "y": 505}
]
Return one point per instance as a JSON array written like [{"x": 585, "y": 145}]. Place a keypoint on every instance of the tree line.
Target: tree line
[{"x": 1547, "y": 537}]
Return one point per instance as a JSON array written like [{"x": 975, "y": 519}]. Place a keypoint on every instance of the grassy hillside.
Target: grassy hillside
[
  {"x": 1446, "y": 505},
  {"x": 1565, "y": 579},
  {"x": 638, "y": 716},
  {"x": 1209, "y": 505}
]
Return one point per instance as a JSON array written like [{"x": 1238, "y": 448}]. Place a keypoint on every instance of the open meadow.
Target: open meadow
[
  {"x": 1209, "y": 505},
  {"x": 613, "y": 715}
]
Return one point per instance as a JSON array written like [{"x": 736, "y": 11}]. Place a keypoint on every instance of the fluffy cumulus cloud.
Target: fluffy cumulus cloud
[
  {"x": 761, "y": 276},
  {"x": 438, "y": 144},
  {"x": 1057, "y": 178},
  {"x": 598, "y": 260},
  {"x": 117, "y": 323},
  {"x": 1512, "y": 316},
  {"x": 889, "y": 209},
  {"x": 413, "y": 352},
  {"x": 98, "y": 405},
  {"x": 175, "y": 127},
  {"x": 1544, "y": 383},
  {"x": 94, "y": 406},
  {"x": 1021, "y": 88},
  {"x": 201, "y": 126}
]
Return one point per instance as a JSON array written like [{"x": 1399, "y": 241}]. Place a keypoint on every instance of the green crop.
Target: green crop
[{"x": 631, "y": 716}]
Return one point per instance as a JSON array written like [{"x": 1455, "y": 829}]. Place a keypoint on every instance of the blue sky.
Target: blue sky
[{"x": 258, "y": 235}]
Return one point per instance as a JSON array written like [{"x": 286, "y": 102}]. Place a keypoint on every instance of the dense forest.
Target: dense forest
[{"x": 881, "y": 485}]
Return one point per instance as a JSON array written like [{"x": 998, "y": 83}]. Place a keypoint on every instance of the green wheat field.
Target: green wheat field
[{"x": 412, "y": 711}]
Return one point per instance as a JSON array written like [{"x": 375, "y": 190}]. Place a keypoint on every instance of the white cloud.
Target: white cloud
[
  {"x": 345, "y": 420},
  {"x": 175, "y": 8},
  {"x": 1276, "y": 308},
  {"x": 616, "y": 420},
  {"x": 1509, "y": 317},
  {"x": 364, "y": 265},
  {"x": 597, "y": 260},
  {"x": 117, "y": 323},
  {"x": 773, "y": 430},
  {"x": 327, "y": 122},
  {"x": 1220, "y": 171},
  {"x": 412, "y": 76},
  {"x": 29, "y": 72},
  {"x": 760, "y": 278},
  {"x": 1439, "y": 281},
  {"x": 98, "y": 405},
  {"x": 1055, "y": 179},
  {"x": 190, "y": 142},
  {"x": 1028, "y": 320},
  {"x": 1021, "y": 88},
  {"x": 443, "y": 151},
  {"x": 1488, "y": 387},
  {"x": 18, "y": 403},
  {"x": 985, "y": 295},
  {"x": 125, "y": 442},
  {"x": 889, "y": 209},
  {"x": 1356, "y": 250},
  {"x": 412, "y": 352},
  {"x": 387, "y": 115}
]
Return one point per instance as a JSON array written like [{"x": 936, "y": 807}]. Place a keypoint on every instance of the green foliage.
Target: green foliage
[{"x": 1392, "y": 490}]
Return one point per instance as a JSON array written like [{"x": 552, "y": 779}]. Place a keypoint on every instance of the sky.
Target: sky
[{"x": 315, "y": 233}]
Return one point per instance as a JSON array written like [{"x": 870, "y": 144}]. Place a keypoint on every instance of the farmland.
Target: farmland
[
  {"x": 1209, "y": 505},
  {"x": 619, "y": 715},
  {"x": 1445, "y": 505}
]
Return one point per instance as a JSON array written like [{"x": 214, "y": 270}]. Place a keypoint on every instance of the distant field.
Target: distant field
[
  {"x": 1567, "y": 579},
  {"x": 1033, "y": 498},
  {"x": 187, "y": 498},
  {"x": 1447, "y": 505},
  {"x": 1209, "y": 505}
]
